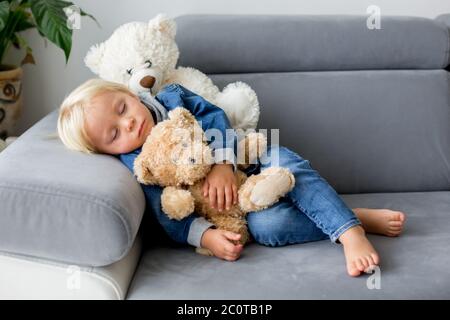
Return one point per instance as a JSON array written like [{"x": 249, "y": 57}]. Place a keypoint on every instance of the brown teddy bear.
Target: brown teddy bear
[{"x": 176, "y": 156}]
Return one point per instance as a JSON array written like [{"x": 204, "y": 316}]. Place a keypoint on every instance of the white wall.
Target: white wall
[{"x": 50, "y": 80}]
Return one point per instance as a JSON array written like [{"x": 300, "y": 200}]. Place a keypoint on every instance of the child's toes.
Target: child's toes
[
  {"x": 359, "y": 265},
  {"x": 367, "y": 263},
  {"x": 370, "y": 261},
  {"x": 401, "y": 216},
  {"x": 353, "y": 270},
  {"x": 394, "y": 223},
  {"x": 375, "y": 258}
]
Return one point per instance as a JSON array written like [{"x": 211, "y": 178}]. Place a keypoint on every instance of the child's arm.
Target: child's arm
[
  {"x": 186, "y": 231},
  {"x": 193, "y": 230}
]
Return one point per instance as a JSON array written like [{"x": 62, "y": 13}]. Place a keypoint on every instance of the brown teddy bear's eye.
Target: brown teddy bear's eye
[{"x": 192, "y": 160}]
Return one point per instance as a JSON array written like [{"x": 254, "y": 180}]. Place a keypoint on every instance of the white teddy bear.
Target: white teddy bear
[{"x": 143, "y": 56}]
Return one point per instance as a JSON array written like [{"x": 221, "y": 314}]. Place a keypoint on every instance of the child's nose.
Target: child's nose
[{"x": 130, "y": 124}]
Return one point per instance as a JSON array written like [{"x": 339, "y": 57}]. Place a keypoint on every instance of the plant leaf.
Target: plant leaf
[
  {"x": 4, "y": 13},
  {"x": 51, "y": 22},
  {"x": 25, "y": 23},
  {"x": 28, "y": 58}
]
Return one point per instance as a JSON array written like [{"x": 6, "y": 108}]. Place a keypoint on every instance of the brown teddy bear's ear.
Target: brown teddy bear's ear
[
  {"x": 142, "y": 172},
  {"x": 182, "y": 117},
  {"x": 164, "y": 24}
]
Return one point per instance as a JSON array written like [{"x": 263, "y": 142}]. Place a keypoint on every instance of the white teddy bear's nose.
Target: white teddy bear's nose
[{"x": 147, "y": 82}]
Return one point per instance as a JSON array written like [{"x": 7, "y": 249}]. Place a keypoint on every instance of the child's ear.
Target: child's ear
[
  {"x": 94, "y": 57},
  {"x": 164, "y": 24}
]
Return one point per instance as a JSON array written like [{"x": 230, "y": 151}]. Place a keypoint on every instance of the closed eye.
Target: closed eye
[
  {"x": 116, "y": 134},
  {"x": 124, "y": 107}
]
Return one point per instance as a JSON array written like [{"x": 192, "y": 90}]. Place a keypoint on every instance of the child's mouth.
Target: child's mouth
[{"x": 141, "y": 128}]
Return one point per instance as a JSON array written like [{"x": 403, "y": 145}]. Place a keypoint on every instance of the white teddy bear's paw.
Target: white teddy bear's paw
[{"x": 240, "y": 104}]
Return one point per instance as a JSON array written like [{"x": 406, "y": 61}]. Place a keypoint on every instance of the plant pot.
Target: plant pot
[{"x": 10, "y": 98}]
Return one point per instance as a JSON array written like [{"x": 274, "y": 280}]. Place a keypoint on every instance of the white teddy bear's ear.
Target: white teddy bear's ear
[
  {"x": 164, "y": 24},
  {"x": 94, "y": 57}
]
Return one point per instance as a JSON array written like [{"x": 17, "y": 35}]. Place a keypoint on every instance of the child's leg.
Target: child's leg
[
  {"x": 381, "y": 221},
  {"x": 282, "y": 224},
  {"x": 313, "y": 196}
]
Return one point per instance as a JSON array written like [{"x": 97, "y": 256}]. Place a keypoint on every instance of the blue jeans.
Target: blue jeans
[{"x": 311, "y": 211}]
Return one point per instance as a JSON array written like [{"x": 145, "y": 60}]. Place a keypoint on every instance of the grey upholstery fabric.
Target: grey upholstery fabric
[
  {"x": 364, "y": 131},
  {"x": 444, "y": 18},
  {"x": 64, "y": 205},
  {"x": 413, "y": 266},
  {"x": 274, "y": 43}
]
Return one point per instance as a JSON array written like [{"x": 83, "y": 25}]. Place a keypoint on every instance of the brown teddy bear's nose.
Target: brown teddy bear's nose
[{"x": 147, "y": 82}]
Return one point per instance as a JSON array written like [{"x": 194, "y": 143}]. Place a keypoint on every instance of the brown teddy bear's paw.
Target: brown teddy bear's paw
[
  {"x": 177, "y": 203},
  {"x": 262, "y": 190},
  {"x": 204, "y": 251}
]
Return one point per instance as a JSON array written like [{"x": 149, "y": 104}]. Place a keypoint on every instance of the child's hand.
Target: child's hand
[
  {"x": 220, "y": 186},
  {"x": 219, "y": 243}
]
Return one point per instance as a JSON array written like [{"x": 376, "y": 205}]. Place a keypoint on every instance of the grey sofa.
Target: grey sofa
[{"x": 370, "y": 109}]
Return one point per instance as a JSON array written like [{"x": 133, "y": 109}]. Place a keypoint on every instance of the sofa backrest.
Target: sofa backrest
[{"x": 369, "y": 108}]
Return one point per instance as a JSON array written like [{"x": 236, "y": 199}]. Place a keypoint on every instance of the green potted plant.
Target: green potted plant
[{"x": 50, "y": 18}]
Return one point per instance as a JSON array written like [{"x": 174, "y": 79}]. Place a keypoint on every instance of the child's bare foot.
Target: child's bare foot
[
  {"x": 381, "y": 221},
  {"x": 359, "y": 252},
  {"x": 219, "y": 242}
]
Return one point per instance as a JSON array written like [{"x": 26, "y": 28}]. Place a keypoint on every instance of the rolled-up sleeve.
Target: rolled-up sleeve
[{"x": 196, "y": 230}]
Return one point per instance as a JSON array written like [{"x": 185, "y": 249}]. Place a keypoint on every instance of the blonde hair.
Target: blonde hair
[{"x": 71, "y": 129}]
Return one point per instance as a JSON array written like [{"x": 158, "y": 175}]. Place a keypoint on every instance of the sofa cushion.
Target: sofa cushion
[
  {"x": 413, "y": 266},
  {"x": 364, "y": 131},
  {"x": 65, "y": 205},
  {"x": 286, "y": 43}
]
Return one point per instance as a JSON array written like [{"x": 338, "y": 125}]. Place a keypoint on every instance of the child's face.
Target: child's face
[{"x": 117, "y": 122}]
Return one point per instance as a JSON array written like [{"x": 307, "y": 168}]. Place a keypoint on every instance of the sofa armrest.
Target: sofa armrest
[
  {"x": 445, "y": 19},
  {"x": 65, "y": 205}
]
